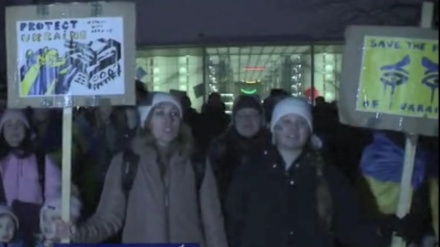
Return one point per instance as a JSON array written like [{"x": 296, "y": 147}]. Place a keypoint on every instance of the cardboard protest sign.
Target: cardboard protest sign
[
  {"x": 69, "y": 52},
  {"x": 390, "y": 79},
  {"x": 66, "y": 55}
]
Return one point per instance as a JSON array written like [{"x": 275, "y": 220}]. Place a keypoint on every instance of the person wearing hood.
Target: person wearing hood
[
  {"x": 18, "y": 163},
  {"x": 287, "y": 196},
  {"x": 164, "y": 204},
  {"x": 27, "y": 179},
  {"x": 246, "y": 135},
  {"x": 9, "y": 227}
]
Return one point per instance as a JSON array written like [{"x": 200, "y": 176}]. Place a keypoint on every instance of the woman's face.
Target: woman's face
[
  {"x": 248, "y": 122},
  {"x": 165, "y": 123},
  {"x": 292, "y": 132},
  {"x": 7, "y": 228},
  {"x": 14, "y": 132}
]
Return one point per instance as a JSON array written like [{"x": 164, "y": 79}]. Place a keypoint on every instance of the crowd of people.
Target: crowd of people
[{"x": 279, "y": 173}]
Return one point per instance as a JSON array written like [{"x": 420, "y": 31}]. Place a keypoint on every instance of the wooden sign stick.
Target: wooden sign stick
[
  {"x": 66, "y": 166},
  {"x": 406, "y": 189}
]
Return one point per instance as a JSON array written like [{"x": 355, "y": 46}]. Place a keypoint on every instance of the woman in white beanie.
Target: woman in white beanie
[
  {"x": 165, "y": 203},
  {"x": 288, "y": 197}
]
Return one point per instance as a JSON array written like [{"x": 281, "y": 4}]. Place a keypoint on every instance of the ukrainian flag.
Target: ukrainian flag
[{"x": 382, "y": 168}]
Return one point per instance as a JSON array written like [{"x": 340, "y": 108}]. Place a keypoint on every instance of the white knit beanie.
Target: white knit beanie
[
  {"x": 13, "y": 114},
  {"x": 5, "y": 210},
  {"x": 292, "y": 105},
  {"x": 158, "y": 97}
]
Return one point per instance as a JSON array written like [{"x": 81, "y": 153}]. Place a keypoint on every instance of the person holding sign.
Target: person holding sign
[
  {"x": 287, "y": 196},
  {"x": 156, "y": 192}
]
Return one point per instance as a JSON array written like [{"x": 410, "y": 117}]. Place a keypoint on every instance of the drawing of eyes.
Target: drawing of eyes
[
  {"x": 430, "y": 78},
  {"x": 395, "y": 74}
]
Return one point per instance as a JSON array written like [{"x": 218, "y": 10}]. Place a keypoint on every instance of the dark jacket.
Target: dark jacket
[
  {"x": 269, "y": 206},
  {"x": 229, "y": 151}
]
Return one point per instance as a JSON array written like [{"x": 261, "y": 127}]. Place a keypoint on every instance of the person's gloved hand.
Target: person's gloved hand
[{"x": 409, "y": 227}]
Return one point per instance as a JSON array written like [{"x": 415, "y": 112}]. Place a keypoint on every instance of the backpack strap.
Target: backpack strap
[
  {"x": 130, "y": 162},
  {"x": 2, "y": 192},
  {"x": 41, "y": 166},
  {"x": 199, "y": 166}
]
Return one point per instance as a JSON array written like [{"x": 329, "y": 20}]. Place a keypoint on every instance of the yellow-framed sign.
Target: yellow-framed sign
[{"x": 399, "y": 76}]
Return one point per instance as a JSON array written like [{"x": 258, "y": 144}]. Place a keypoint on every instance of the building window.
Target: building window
[
  {"x": 255, "y": 70},
  {"x": 252, "y": 70},
  {"x": 168, "y": 70},
  {"x": 327, "y": 74}
]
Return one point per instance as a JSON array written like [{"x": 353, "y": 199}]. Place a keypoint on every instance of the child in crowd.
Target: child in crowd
[{"x": 8, "y": 228}]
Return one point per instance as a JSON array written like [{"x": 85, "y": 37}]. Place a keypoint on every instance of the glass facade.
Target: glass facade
[
  {"x": 327, "y": 66},
  {"x": 173, "y": 70},
  {"x": 233, "y": 70},
  {"x": 255, "y": 70}
]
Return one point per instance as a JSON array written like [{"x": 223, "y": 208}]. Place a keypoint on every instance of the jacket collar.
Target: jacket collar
[{"x": 274, "y": 157}]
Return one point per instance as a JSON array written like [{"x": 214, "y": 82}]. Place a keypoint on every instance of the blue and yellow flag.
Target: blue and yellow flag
[{"x": 382, "y": 167}]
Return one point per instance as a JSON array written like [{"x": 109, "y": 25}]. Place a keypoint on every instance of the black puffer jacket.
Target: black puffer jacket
[
  {"x": 229, "y": 151},
  {"x": 269, "y": 206}
]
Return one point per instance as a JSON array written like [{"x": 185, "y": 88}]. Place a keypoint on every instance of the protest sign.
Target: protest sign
[
  {"x": 66, "y": 55},
  {"x": 399, "y": 77},
  {"x": 390, "y": 79},
  {"x": 390, "y": 82},
  {"x": 80, "y": 56},
  {"x": 70, "y": 53}
]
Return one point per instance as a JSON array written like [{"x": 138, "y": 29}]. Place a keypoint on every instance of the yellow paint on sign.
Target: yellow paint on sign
[{"x": 399, "y": 77}]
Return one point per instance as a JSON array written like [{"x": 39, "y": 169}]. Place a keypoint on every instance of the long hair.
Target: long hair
[{"x": 324, "y": 198}]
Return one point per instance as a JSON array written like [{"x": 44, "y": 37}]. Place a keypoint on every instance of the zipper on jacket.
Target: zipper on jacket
[{"x": 167, "y": 212}]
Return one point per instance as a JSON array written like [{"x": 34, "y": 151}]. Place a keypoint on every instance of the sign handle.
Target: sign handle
[
  {"x": 66, "y": 166},
  {"x": 406, "y": 189}
]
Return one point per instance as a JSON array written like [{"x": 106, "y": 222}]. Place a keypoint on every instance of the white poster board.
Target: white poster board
[
  {"x": 78, "y": 57},
  {"x": 68, "y": 56}
]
